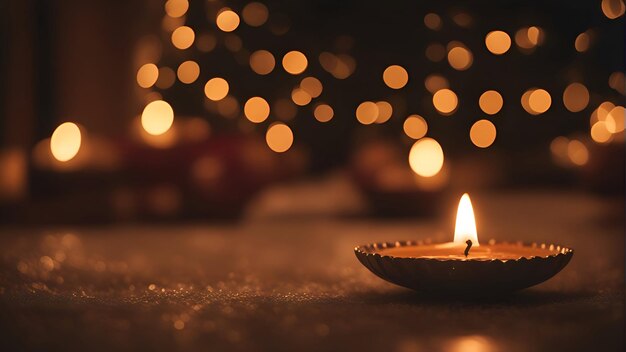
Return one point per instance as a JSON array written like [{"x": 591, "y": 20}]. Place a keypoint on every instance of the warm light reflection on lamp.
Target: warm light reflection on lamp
[
  {"x": 65, "y": 141},
  {"x": 465, "y": 228}
]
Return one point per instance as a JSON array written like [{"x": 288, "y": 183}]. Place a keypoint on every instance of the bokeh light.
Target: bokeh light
[
  {"x": 575, "y": 97},
  {"x": 490, "y": 102},
  {"x": 157, "y": 117},
  {"x": 535, "y": 35},
  {"x": 617, "y": 116},
  {"x": 340, "y": 66},
  {"x": 294, "y": 62},
  {"x": 613, "y": 9},
  {"x": 483, "y": 133},
  {"x": 577, "y": 152},
  {"x": 445, "y": 101},
  {"x": 385, "y": 111},
  {"x": 602, "y": 112},
  {"x": 415, "y": 126},
  {"x": 528, "y": 38},
  {"x": 426, "y": 157},
  {"x": 395, "y": 76},
  {"x": 539, "y": 101},
  {"x": 262, "y": 62},
  {"x": 312, "y": 86},
  {"x": 228, "y": 107},
  {"x": 255, "y": 14},
  {"x": 558, "y": 148},
  {"x": 206, "y": 42},
  {"x": 435, "y": 52},
  {"x": 233, "y": 43},
  {"x": 279, "y": 137},
  {"x": 147, "y": 75},
  {"x": 300, "y": 97},
  {"x": 617, "y": 82},
  {"x": 323, "y": 113},
  {"x": 582, "y": 42},
  {"x": 498, "y": 42},
  {"x": 188, "y": 72},
  {"x": 183, "y": 37},
  {"x": 435, "y": 82},
  {"x": 284, "y": 109},
  {"x": 176, "y": 8},
  {"x": 166, "y": 78},
  {"x": 65, "y": 141},
  {"x": 216, "y": 88},
  {"x": 600, "y": 133},
  {"x": 463, "y": 19},
  {"x": 459, "y": 57},
  {"x": 433, "y": 21},
  {"x": 227, "y": 20},
  {"x": 256, "y": 109},
  {"x": 367, "y": 112}
]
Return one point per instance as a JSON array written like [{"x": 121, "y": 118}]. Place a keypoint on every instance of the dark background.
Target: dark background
[{"x": 77, "y": 61}]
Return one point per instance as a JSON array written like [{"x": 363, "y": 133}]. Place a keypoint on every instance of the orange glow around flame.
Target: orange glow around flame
[{"x": 465, "y": 228}]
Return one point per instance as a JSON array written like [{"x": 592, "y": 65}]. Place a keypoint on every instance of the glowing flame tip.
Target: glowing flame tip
[{"x": 465, "y": 228}]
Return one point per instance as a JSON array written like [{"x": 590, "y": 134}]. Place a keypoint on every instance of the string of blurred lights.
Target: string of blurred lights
[{"x": 426, "y": 157}]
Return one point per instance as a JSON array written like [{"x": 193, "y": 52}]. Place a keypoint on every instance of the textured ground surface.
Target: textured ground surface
[{"x": 296, "y": 285}]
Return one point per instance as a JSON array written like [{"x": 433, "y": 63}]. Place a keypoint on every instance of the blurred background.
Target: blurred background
[{"x": 131, "y": 111}]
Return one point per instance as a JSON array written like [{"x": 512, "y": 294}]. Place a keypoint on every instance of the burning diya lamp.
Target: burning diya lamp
[{"x": 464, "y": 266}]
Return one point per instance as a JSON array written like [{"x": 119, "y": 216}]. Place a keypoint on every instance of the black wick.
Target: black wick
[{"x": 469, "y": 245}]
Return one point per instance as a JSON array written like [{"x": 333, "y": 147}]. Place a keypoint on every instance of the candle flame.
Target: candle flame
[{"x": 465, "y": 228}]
